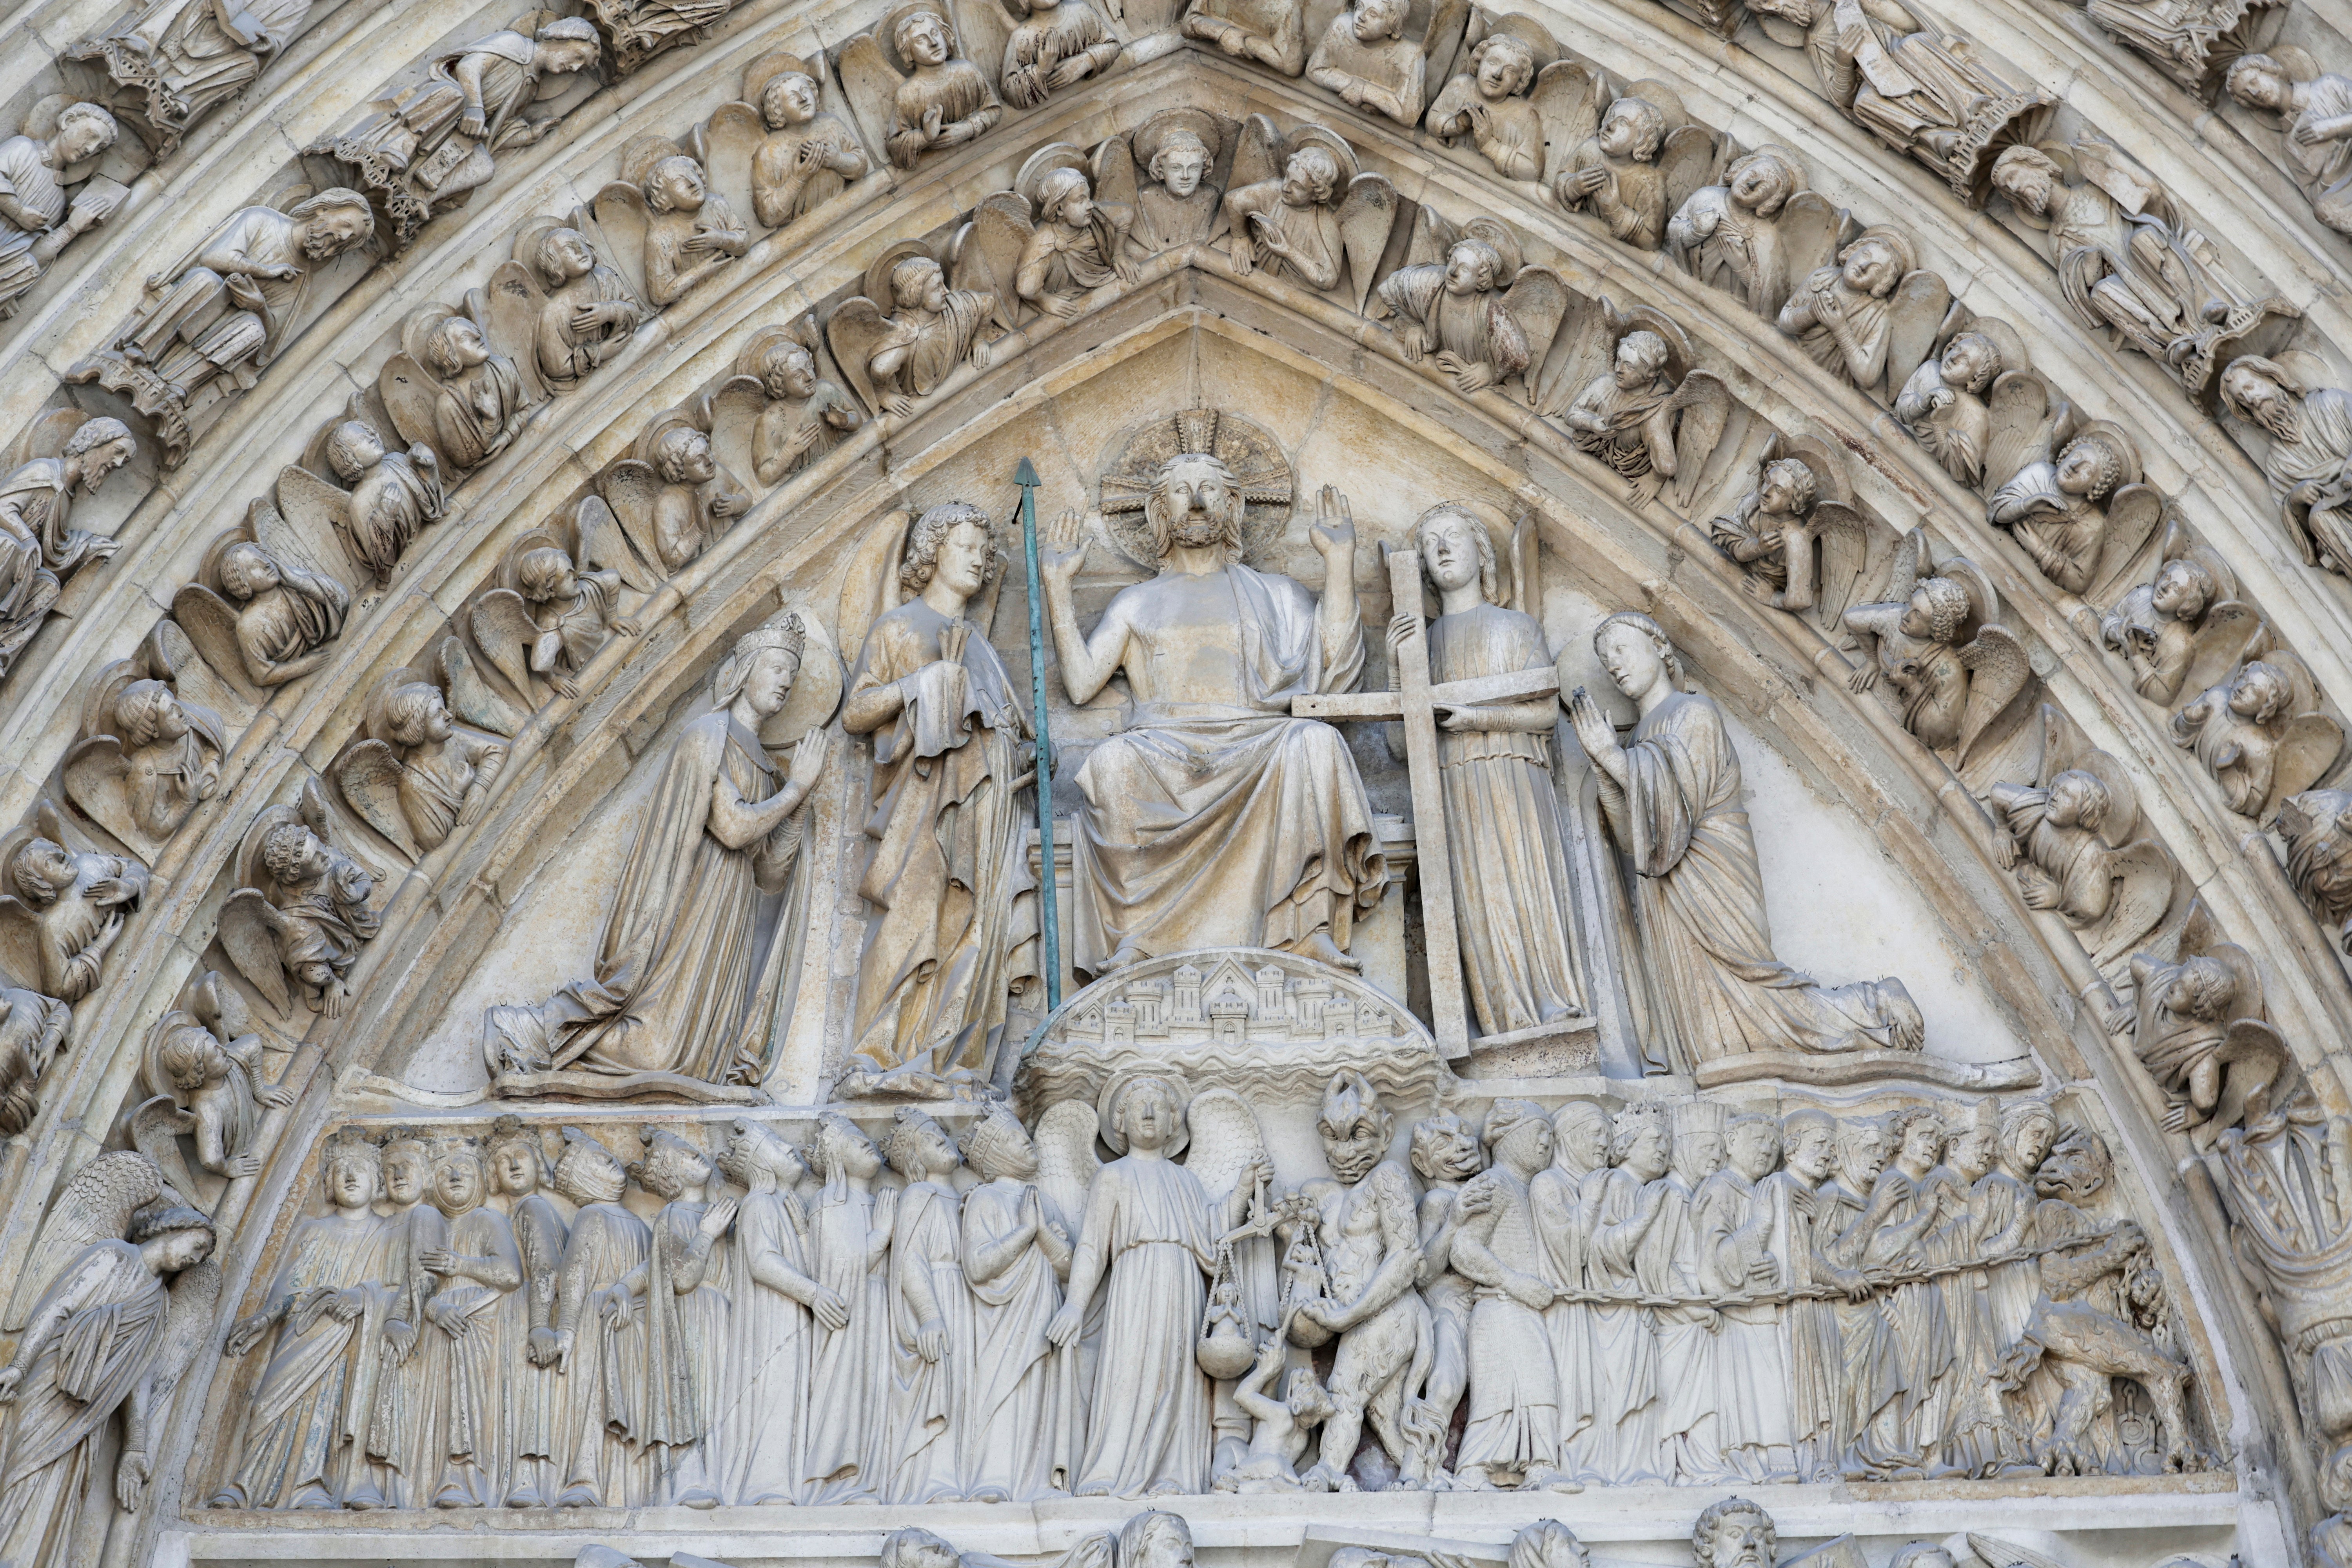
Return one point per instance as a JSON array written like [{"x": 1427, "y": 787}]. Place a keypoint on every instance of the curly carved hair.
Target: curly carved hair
[
  {"x": 927, "y": 533},
  {"x": 1716, "y": 1516},
  {"x": 1948, "y": 607}
]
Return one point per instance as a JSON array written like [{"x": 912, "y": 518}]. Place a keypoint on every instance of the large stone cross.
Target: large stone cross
[{"x": 1416, "y": 702}]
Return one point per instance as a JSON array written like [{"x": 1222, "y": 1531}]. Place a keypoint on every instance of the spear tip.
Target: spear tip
[{"x": 1025, "y": 476}]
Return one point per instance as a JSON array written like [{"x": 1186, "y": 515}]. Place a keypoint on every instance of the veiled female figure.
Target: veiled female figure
[
  {"x": 949, "y": 867},
  {"x": 1021, "y": 1408},
  {"x": 931, "y": 1332},
  {"x": 601, "y": 1356},
  {"x": 673, "y": 989},
  {"x": 686, "y": 1319},
  {"x": 1149, "y": 1228},
  {"x": 1502, "y": 817},
  {"x": 86, "y": 1351},
  {"x": 849, "y": 1243},
  {"x": 479, "y": 1271},
  {"x": 524, "y": 1321},
  {"x": 769, "y": 1286},
  {"x": 1672, "y": 797},
  {"x": 310, "y": 1407}
]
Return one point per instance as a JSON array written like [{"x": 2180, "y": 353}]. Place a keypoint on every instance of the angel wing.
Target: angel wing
[
  {"x": 599, "y": 541},
  {"x": 302, "y": 539},
  {"x": 631, "y": 490},
  {"x": 2002, "y": 1554},
  {"x": 1432, "y": 237},
  {"x": 2230, "y": 634},
  {"x": 620, "y": 213},
  {"x": 1442, "y": 39},
  {"x": 871, "y": 84},
  {"x": 155, "y": 1130},
  {"x": 2027, "y": 420},
  {"x": 855, "y": 332},
  {"x": 1066, "y": 1162},
  {"x": 1853, "y": 556},
  {"x": 1809, "y": 232},
  {"x": 96, "y": 1206},
  {"x": 1537, "y": 300},
  {"x": 1999, "y": 673},
  {"x": 1113, "y": 169},
  {"x": 320, "y": 512},
  {"x": 1257, "y": 155},
  {"x": 731, "y": 414},
  {"x": 1914, "y": 321},
  {"x": 2133, "y": 513},
  {"x": 1226, "y": 1138},
  {"x": 187, "y": 1326},
  {"x": 506, "y": 634},
  {"x": 2306, "y": 750},
  {"x": 2145, "y": 876},
  {"x": 409, "y": 392},
  {"x": 1367, "y": 216},
  {"x": 511, "y": 305},
  {"x": 94, "y": 782},
  {"x": 724, "y": 143},
  {"x": 369, "y": 777},
  {"x": 1702, "y": 408},
  {"x": 988, "y": 251},
  {"x": 20, "y": 946},
  {"x": 2259, "y": 1072},
  {"x": 248, "y": 928},
  {"x": 1569, "y": 96},
  {"x": 982, "y": 30},
  {"x": 1687, "y": 165},
  {"x": 469, "y": 696},
  {"x": 869, "y": 587},
  {"x": 171, "y": 655},
  {"x": 210, "y": 623}
]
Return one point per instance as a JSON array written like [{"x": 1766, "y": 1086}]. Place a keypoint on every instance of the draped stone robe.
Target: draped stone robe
[
  {"x": 1557, "y": 1196},
  {"x": 1502, "y": 818},
  {"x": 484, "y": 1368},
  {"x": 929, "y": 1399},
  {"x": 1705, "y": 934},
  {"x": 1226, "y": 823},
  {"x": 1147, "y": 1425},
  {"x": 688, "y": 1379},
  {"x": 107, "y": 1314},
  {"x": 674, "y": 972},
  {"x": 1752, "y": 1374},
  {"x": 950, "y": 868},
  {"x": 601, "y": 1427},
  {"x": 532, "y": 1394},
  {"x": 1624, "y": 1337},
  {"x": 764, "y": 1408},
  {"x": 312, "y": 1405},
  {"x": 25, "y": 175},
  {"x": 1021, "y": 1414},
  {"x": 851, "y": 1372}
]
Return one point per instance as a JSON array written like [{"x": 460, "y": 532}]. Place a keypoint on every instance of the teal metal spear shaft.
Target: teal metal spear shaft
[{"x": 1025, "y": 476}]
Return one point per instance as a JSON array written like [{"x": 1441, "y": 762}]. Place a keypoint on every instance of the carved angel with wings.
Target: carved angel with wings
[
  {"x": 686, "y": 230},
  {"x": 671, "y": 496},
  {"x": 1653, "y": 415},
  {"x": 1942, "y": 404},
  {"x": 1958, "y": 672},
  {"x": 909, "y": 332},
  {"x": 572, "y": 308},
  {"x": 1300, "y": 207},
  {"x": 302, "y": 913},
  {"x": 1873, "y": 316},
  {"x": 1517, "y": 97},
  {"x": 145, "y": 757},
  {"x": 801, "y": 413},
  {"x": 911, "y": 88},
  {"x": 449, "y": 392},
  {"x": 202, "y": 1066},
  {"x": 2261, "y": 733},
  {"x": 62, "y": 907},
  {"x": 2187, "y": 628},
  {"x": 1366, "y": 59},
  {"x": 1759, "y": 231},
  {"x": 801, "y": 155},
  {"x": 1059, "y": 44},
  {"x": 558, "y": 599},
  {"x": 2075, "y": 839},
  {"x": 1641, "y": 162},
  {"x": 1799, "y": 541},
  {"x": 417, "y": 777},
  {"x": 33, "y": 1029},
  {"x": 388, "y": 496},
  {"x": 267, "y": 604},
  {"x": 2083, "y": 516},
  {"x": 1046, "y": 243},
  {"x": 2198, "y": 1024},
  {"x": 1166, "y": 173},
  {"x": 1467, "y": 300}
]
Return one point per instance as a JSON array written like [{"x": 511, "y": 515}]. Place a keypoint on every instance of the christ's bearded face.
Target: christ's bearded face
[{"x": 1195, "y": 504}]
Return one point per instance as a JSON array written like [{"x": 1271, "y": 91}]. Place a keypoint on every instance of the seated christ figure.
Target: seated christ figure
[{"x": 1216, "y": 819}]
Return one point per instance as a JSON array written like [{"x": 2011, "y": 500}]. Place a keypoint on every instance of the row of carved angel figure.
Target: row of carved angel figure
[{"x": 921, "y": 1318}]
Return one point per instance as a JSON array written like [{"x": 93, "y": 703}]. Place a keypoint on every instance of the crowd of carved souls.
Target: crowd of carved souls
[{"x": 1018, "y": 1257}]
